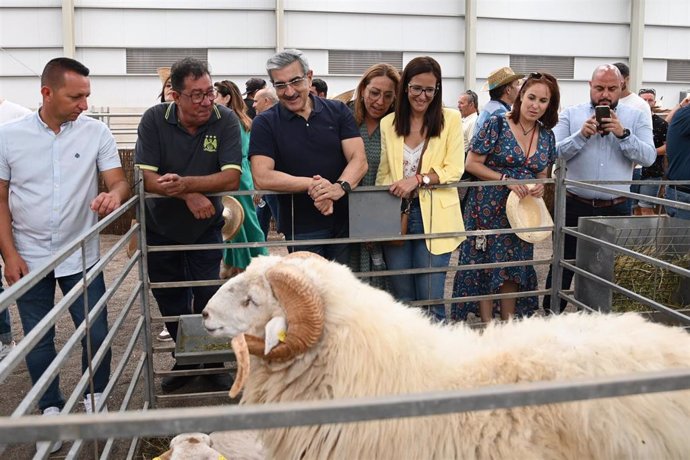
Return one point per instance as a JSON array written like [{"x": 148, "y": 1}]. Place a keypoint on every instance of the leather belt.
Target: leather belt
[
  {"x": 597, "y": 203},
  {"x": 681, "y": 188}
]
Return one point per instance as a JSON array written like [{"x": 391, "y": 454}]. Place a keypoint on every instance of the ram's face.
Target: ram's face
[{"x": 243, "y": 304}]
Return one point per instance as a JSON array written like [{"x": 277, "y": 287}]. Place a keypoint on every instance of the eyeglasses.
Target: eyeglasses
[
  {"x": 417, "y": 90},
  {"x": 647, "y": 91},
  {"x": 534, "y": 76},
  {"x": 295, "y": 83},
  {"x": 375, "y": 94},
  {"x": 197, "y": 97}
]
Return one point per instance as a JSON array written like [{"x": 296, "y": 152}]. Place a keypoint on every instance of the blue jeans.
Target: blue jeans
[
  {"x": 35, "y": 304},
  {"x": 649, "y": 190},
  {"x": 337, "y": 252},
  {"x": 184, "y": 266},
  {"x": 264, "y": 213},
  {"x": 5, "y": 324},
  {"x": 414, "y": 254},
  {"x": 675, "y": 195}
]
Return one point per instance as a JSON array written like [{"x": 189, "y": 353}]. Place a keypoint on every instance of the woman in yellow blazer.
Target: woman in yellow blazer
[{"x": 418, "y": 116}]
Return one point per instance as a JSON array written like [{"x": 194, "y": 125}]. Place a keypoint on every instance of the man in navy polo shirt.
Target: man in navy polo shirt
[
  {"x": 186, "y": 149},
  {"x": 310, "y": 147}
]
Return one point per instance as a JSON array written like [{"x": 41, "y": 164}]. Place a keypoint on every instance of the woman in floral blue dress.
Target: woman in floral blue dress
[{"x": 517, "y": 145}]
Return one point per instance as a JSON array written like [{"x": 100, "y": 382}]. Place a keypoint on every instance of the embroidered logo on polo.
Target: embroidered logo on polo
[{"x": 210, "y": 143}]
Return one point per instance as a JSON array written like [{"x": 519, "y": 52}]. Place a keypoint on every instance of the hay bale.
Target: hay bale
[{"x": 648, "y": 280}]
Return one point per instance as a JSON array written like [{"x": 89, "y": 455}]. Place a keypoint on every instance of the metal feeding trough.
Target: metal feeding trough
[
  {"x": 662, "y": 237},
  {"x": 195, "y": 346}
]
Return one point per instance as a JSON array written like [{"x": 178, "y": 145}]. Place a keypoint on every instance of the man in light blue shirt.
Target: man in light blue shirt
[
  {"x": 49, "y": 166},
  {"x": 600, "y": 151}
]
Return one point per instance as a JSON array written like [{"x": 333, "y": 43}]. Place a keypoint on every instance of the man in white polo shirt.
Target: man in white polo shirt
[{"x": 49, "y": 166}]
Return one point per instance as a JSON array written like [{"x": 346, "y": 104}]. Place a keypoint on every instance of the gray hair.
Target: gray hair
[
  {"x": 284, "y": 59},
  {"x": 269, "y": 93}
]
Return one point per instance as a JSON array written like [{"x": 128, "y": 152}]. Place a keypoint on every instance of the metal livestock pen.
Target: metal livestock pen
[{"x": 137, "y": 407}]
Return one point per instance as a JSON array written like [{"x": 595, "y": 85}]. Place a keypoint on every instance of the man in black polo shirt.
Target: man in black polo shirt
[
  {"x": 310, "y": 147},
  {"x": 186, "y": 149}
]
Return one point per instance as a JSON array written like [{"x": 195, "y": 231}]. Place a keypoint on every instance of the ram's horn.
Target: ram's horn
[
  {"x": 255, "y": 345},
  {"x": 303, "y": 311}
]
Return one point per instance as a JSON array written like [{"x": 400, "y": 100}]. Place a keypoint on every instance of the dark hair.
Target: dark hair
[
  {"x": 320, "y": 85},
  {"x": 377, "y": 70},
  {"x": 53, "y": 74},
  {"x": 624, "y": 69},
  {"x": 473, "y": 98},
  {"x": 550, "y": 117},
  {"x": 236, "y": 103},
  {"x": 651, "y": 91},
  {"x": 184, "y": 68},
  {"x": 433, "y": 118},
  {"x": 162, "y": 94},
  {"x": 498, "y": 92}
]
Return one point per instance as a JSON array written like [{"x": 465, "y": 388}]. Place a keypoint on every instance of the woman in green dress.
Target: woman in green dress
[
  {"x": 374, "y": 99},
  {"x": 235, "y": 260}
]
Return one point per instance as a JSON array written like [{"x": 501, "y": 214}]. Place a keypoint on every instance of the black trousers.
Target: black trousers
[{"x": 575, "y": 209}]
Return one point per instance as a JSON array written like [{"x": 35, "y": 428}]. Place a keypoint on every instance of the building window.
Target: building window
[
  {"x": 677, "y": 70},
  {"x": 341, "y": 62},
  {"x": 147, "y": 60},
  {"x": 558, "y": 66}
]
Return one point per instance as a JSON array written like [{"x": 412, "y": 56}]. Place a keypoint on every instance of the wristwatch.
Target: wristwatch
[
  {"x": 626, "y": 133},
  {"x": 426, "y": 180},
  {"x": 345, "y": 185}
]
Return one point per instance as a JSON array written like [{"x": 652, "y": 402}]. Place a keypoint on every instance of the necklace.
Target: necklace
[{"x": 526, "y": 131}]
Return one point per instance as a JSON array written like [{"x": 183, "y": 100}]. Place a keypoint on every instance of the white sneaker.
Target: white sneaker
[
  {"x": 97, "y": 399},
  {"x": 57, "y": 445},
  {"x": 5, "y": 349},
  {"x": 164, "y": 335}
]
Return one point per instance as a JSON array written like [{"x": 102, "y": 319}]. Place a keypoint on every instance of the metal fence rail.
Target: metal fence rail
[{"x": 133, "y": 424}]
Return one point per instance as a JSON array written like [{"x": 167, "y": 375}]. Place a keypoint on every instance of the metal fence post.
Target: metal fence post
[
  {"x": 558, "y": 236},
  {"x": 143, "y": 271}
]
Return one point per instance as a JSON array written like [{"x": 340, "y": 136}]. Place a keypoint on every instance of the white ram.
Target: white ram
[{"x": 346, "y": 339}]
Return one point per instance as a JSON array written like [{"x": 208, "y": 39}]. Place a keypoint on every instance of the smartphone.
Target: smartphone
[{"x": 602, "y": 111}]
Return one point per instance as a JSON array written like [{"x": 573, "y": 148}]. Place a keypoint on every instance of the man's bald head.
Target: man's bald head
[
  {"x": 605, "y": 69},
  {"x": 606, "y": 86},
  {"x": 264, "y": 99}
]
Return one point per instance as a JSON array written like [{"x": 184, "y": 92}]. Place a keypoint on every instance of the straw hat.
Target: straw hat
[
  {"x": 501, "y": 77},
  {"x": 233, "y": 215},
  {"x": 528, "y": 212},
  {"x": 345, "y": 96},
  {"x": 163, "y": 74}
]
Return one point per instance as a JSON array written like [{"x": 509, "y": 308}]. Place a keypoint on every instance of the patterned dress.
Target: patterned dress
[{"x": 486, "y": 209}]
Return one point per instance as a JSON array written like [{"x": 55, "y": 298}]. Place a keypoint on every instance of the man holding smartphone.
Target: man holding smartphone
[{"x": 603, "y": 149}]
